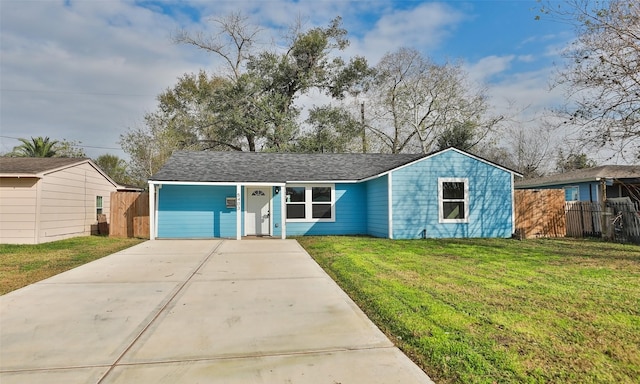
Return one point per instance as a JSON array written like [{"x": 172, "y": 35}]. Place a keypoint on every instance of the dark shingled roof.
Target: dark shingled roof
[
  {"x": 34, "y": 165},
  {"x": 584, "y": 175},
  {"x": 261, "y": 167}
]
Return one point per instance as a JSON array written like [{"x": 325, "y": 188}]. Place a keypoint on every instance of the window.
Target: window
[
  {"x": 98, "y": 205},
  {"x": 571, "y": 193},
  {"x": 453, "y": 200},
  {"x": 311, "y": 203}
]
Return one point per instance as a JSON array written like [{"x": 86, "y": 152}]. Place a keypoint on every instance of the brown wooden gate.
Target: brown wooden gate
[
  {"x": 129, "y": 214},
  {"x": 540, "y": 213}
]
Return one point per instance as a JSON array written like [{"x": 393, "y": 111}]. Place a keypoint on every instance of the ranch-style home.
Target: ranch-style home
[
  {"x": 48, "y": 199},
  {"x": 446, "y": 194},
  {"x": 592, "y": 184}
]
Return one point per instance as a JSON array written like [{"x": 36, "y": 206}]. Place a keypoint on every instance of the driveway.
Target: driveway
[{"x": 189, "y": 311}]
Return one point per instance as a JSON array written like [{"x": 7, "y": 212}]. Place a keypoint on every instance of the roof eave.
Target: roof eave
[
  {"x": 559, "y": 183},
  {"x": 22, "y": 175}
]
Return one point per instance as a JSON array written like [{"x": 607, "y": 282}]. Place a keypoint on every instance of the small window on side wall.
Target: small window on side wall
[
  {"x": 98, "y": 205},
  {"x": 571, "y": 193},
  {"x": 453, "y": 200}
]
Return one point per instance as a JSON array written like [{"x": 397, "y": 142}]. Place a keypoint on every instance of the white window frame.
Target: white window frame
[
  {"x": 99, "y": 207},
  {"x": 575, "y": 188},
  {"x": 441, "y": 200},
  {"x": 308, "y": 204}
]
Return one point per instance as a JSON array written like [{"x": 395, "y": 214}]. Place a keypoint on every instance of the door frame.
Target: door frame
[{"x": 247, "y": 197}]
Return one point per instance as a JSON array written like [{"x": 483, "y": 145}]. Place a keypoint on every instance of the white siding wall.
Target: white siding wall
[
  {"x": 18, "y": 198},
  {"x": 68, "y": 202}
]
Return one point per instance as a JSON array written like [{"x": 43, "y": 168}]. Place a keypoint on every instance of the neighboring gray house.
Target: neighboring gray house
[
  {"x": 587, "y": 184},
  {"x": 47, "y": 199},
  {"x": 449, "y": 193}
]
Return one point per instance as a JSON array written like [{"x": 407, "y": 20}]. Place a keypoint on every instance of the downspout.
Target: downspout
[{"x": 603, "y": 207}]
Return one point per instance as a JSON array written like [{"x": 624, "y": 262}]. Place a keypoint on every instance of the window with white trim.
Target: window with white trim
[
  {"x": 453, "y": 200},
  {"x": 98, "y": 205},
  {"x": 311, "y": 202},
  {"x": 572, "y": 193}
]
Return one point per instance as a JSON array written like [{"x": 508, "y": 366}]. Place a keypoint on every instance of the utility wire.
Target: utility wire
[
  {"x": 74, "y": 92},
  {"x": 75, "y": 145}
]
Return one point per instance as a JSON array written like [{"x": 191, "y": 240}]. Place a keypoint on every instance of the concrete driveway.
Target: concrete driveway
[{"x": 195, "y": 311}]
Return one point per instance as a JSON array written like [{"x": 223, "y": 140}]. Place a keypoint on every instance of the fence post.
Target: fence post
[{"x": 603, "y": 208}]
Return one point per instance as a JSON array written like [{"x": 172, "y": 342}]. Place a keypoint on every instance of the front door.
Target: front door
[{"x": 257, "y": 217}]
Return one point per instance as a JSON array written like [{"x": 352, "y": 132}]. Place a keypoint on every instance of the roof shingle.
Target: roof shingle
[
  {"x": 277, "y": 167},
  {"x": 34, "y": 165},
  {"x": 583, "y": 175}
]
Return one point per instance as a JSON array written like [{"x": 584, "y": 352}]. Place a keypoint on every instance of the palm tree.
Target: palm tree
[{"x": 37, "y": 147}]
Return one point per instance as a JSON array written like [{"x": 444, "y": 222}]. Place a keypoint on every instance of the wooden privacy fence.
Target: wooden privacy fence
[
  {"x": 540, "y": 213},
  {"x": 129, "y": 214},
  {"x": 544, "y": 213},
  {"x": 623, "y": 220},
  {"x": 584, "y": 219}
]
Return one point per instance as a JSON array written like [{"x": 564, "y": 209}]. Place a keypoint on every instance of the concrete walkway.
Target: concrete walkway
[{"x": 208, "y": 311}]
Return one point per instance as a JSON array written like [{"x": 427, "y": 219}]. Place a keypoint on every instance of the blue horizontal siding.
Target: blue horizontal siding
[
  {"x": 587, "y": 191},
  {"x": 351, "y": 215},
  {"x": 415, "y": 198},
  {"x": 378, "y": 207},
  {"x": 189, "y": 211}
]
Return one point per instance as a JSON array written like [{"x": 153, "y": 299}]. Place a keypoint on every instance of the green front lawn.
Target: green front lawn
[
  {"x": 21, "y": 265},
  {"x": 497, "y": 310}
]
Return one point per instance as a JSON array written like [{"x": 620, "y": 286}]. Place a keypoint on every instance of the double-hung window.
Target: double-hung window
[
  {"x": 453, "y": 200},
  {"x": 314, "y": 202},
  {"x": 98, "y": 205}
]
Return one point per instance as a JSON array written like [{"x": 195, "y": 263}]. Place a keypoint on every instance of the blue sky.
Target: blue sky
[{"x": 87, "y": 70}]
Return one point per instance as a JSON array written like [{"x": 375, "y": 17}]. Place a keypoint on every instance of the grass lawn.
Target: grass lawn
[
  {"x": 497, "y": 310},
  {"x": 21, "y": 265}
]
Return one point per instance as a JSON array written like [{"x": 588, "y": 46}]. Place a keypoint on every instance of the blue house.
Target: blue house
[
  {"x": 446, "y": 194},
  {"x": 592, "y": 184}
]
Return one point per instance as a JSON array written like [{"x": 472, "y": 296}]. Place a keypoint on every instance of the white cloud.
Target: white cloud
[
  {"x": 526, "y": 58},
  {"x": 489, "y": 66},
  {"x": 423, "y": 27},
  {"x": 89, "y": 70},
  {"x": 84, "y": 72}
]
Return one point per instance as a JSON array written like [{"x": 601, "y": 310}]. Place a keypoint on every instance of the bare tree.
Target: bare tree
[
  {"x": 420, "y": 101},
  {"x": 234, "y": 42},
  {"x": 602, "y": 73}
]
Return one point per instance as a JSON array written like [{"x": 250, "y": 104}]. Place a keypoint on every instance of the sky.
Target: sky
[{"x": 88, "y": 70}]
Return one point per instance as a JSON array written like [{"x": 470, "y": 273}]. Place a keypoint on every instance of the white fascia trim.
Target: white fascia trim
[
  {"x": 436, "y": 154},
  {"x": 324, "y": 182},
  {"x": 214, "y": 183},
  {"x": 481, "y": 160}
]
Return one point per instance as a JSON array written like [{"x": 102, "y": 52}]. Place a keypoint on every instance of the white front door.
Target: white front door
[{"x": 257, "y": 217}]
